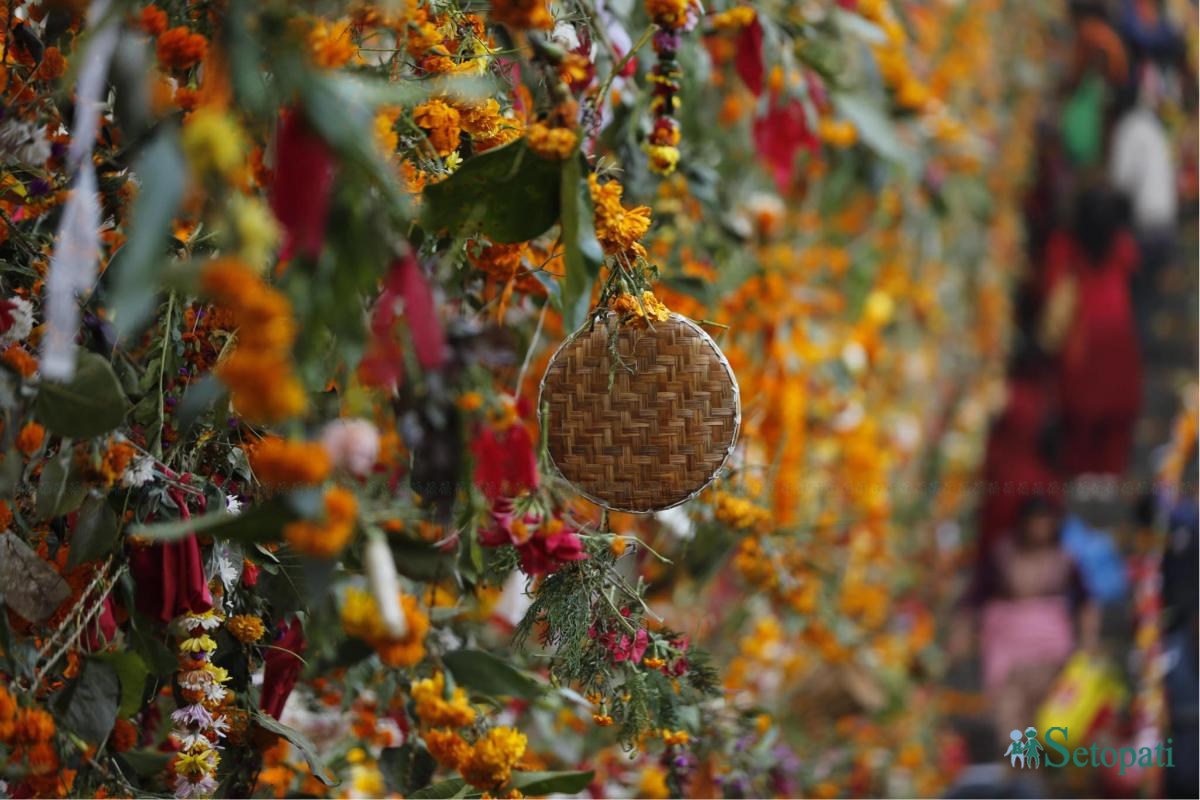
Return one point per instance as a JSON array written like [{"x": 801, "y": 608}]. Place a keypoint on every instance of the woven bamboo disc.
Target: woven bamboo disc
[{"x": 664, "y": 429}]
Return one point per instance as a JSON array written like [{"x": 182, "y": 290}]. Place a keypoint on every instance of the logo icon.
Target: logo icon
[{"x": 1025, "y": 749}]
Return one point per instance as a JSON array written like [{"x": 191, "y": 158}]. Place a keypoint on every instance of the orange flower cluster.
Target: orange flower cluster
[
  {"x": 326, "y": 538},
  {"x": 441, "y": 123},
  {"x": 30, "y": 438},
  {"x": 286, "y": 463},
  {"x": 551, "y": 142},
  {"x": 29, "y": 735},
  {"x": 523, "y": 14},
  {"x": 331, "y": 44},
  {"x": 618, "y": 228},
  {"x": 259, "y": 373},
  {"x": 180, "y": 49}
]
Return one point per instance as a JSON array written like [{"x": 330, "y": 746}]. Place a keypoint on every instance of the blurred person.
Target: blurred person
[
  {"x": 1089, "y": 266},
  {"x": 1026, "y": 602},
  {"x": 1181, "y": 641},
  {"x": 1141, "y": 165},
  {"x": 1019, "y": 461},
  {"x": 1099, "y": 64}
]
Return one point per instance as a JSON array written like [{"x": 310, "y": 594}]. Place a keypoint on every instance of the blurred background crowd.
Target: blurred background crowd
[{"x": 1082, "y": 607}]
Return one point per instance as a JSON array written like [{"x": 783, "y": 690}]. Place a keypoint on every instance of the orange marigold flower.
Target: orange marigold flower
[
  {"x": 327, "y": 538},
  {"x": 179, "y": 48},
  {"x": 20, "y": 360},
  {"x": 262, "y": 387},
  {"x": 551, "y": 143},
  {"x": 124, "y": 736},
  {"x": 447, "y": 747},
  {"x": 441, "y": 122},
  {"x": 115, "y": 461},
  {"x": 523, "y": 14},
  {"x": 30, "y": 438},
  {"x": 409, "y": 649},
  {"x": 283, "y": 462},
  {"x": 152, "y": 20},
  {"x": 332, "y": 44},
  {"x": 432, "y": 707},
  {"x": 33, "y": 725},
  {"x": 668, "y": 13},
  {"x": 53, "y": 66},
  {"x": 618, "y": 228}
]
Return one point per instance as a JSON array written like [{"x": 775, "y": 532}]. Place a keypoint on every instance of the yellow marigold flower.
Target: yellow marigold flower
[
  {"x": 285, "y": 462},
  {"x": 618, "y": 228},
  {"x": 838, "y": 133},
  {"x": 551, "y": 143},
  {"x": 213, "y": 142},
  {"x": 671, "y": 738},
  {"x": 434, "y": 710},
  {"x": 493, "y": 757},
  {"x": 361, "y": 619},
  {"x": 441, "y": 123},
  {"x": 653, "y": 784},
  {"x": 385, "y": 130},
  {"x": 733, "y": 18},
  {"x": 332, "y": 44},
  {"x": 246, "y": 628},
  {"x": 447, "y": 748},
  {"x": 663, "y": 158},
  {"x": 638, "y": 313}
]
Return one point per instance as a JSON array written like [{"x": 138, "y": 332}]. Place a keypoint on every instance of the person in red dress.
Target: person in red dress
[{"x": 1100, "y": 367}]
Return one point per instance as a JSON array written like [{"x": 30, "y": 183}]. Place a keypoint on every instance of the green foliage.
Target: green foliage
[
  {"x": 508, "y": 194},
  {"x": 90, "y": 404}
]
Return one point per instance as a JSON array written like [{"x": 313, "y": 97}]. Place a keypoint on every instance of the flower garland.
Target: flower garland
[
  {"x": 197, "y": 724},
  {"x": 672, "y": 17}
]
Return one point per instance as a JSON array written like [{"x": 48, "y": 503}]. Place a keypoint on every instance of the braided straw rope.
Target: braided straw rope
[{"x": 664, "y": 429}]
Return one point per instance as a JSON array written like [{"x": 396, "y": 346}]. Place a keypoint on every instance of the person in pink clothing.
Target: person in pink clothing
[
  {"x": 1100, "y": 367},
  {"x": 1027, "y": 604}
]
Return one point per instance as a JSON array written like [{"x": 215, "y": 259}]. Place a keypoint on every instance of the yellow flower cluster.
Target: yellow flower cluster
[
  {"x": 740, "y": 512},
  {"x": 435, "y": 710},
  {"x": 492, "y": 758},
  {"x": 640, "y": 312},
  {"x": 246, "y": 628},
  {"x": 361, "y": 619}
]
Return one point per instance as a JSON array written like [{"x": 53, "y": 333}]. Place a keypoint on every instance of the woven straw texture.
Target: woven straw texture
[{"x": 663, "y": 430}]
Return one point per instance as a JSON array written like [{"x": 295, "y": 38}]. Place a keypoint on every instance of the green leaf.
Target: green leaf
[
  {"x": 145, "y": 763},
  {"x": 132, "y": 673},
  {"x": 156, "y": 655},
  {"x": 483, "y": 672},
  {"x": 876, "y": 130},
  {"x": 301, "y": 743},
  {"x": 263, "y": 523},
  {"x": 95, "y": 531},
  {"x": 582, "y": 252},
  {"x": 407, "y": 768},
  {"x": 419, "y": 561},
  {"x": 162, "y": 174},
  {"x": 59, "y": 489},
  {"x": 535, "y": 784},
  {"x": 89, "y": 404},
  {"x": 454, "y": 787},
  {"x": 11, "y": 468},
  {"x": 509, "y": 194},
  {"x": 88, "y": 707}
]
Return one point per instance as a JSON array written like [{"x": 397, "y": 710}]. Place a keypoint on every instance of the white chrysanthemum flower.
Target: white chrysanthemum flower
[
  {"x": 139, "y": 472},
  {"x": 232, "y": 504},
  {"x": 22, "y": 321}
]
